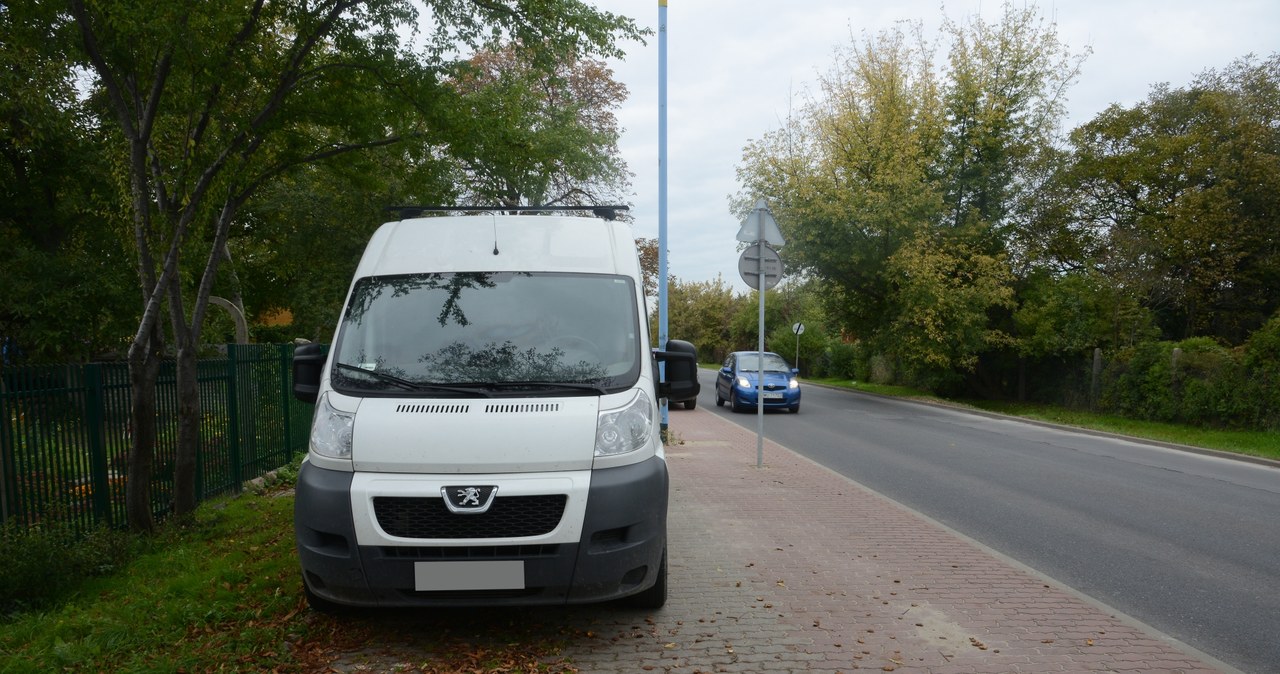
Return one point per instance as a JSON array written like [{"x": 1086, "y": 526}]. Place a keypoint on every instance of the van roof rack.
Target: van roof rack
[{"x": 606, "y": 212}]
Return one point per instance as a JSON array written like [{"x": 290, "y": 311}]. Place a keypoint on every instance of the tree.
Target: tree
[
  {"x": 648, "y": 251},
  {"x": 210, "y": 102},
  {"x": 848, "y": 177},
  {"x": 297, "y": 242},
  {"x": 906, "y": 192},
  {"x": 556, "y": 137},
  {"x": 56, "y": 229},
  {"x": 1180, "y": 194},
  {"x": 701, "y": 312},
  {"x": 1004, "y": 102},
  {"x": 940, "y": 308}
]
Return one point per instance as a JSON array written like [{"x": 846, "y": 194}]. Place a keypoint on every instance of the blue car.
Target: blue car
[{"x": 737, "y": 379}]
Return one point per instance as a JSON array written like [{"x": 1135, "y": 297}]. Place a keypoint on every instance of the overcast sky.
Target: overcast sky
[{"x": 735, "y": 67}]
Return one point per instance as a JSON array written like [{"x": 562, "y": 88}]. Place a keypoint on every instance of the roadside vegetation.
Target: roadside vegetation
[
  {"x": 223, "y": 594},
  {"x": 218, "y": 593}
]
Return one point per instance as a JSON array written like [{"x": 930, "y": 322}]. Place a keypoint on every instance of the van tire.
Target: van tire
[
  {"x": 691, "y": 403},
  {"x": 656, "y": 596}
]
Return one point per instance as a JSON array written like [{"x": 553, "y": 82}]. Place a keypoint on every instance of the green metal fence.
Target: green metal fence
[{"x": 64, "y": 433}]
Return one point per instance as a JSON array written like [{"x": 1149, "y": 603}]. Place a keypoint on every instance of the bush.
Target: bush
[
  {"x": 45, "y": 563},
  {"x": 1138, "y": 382},
  {"x": 1262, "y": 375},
  {"x": 1206, "y": 384},
  {"x": 843, "y": 361}
]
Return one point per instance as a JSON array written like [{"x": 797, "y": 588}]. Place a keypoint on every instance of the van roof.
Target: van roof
[{"x": 465, "y": 243}]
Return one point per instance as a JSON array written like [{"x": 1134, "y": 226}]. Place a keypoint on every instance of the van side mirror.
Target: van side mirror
[
  {"x": 308, "y": 361},
  {"x": 681, "y": 372}
]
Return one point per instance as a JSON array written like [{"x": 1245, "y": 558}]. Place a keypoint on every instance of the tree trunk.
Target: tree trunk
[
  {"x": 188, "y": 392},
  {"x": 236, "y": 297},
  {"x": 184, "y": 467},
  {"x": 144, "y": 370}
]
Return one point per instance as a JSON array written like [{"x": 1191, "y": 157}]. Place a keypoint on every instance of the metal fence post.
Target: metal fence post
[
  {"x": 233, "y": 418},
  {"x": 6, "y": 452},
  {"x": 286, "y": 377},
  {"x": 1095, "y": 379}
]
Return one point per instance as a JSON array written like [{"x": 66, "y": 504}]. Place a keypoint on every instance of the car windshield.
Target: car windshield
[
  {"x": 426, "y": 333},
  {"x": 750, "y": 362}
]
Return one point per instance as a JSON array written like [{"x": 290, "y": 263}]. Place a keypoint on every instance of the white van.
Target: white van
[{"x": 486, "y": 427}]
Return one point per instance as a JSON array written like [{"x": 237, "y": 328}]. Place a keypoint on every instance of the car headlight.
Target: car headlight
[
  {"x": 626, "y": 429},
  {"x": 744, "y": 382},
  {"x": 331, "y": 431},
  {"x": 793, "y": 384}
]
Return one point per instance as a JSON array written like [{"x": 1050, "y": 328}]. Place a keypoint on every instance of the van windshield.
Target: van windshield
[{"x": 500, "y": 331}]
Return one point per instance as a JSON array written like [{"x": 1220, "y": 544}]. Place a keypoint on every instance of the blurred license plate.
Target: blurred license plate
[
  {"x": 492, "y": 575},
  {"x": 773, "y": 396}
]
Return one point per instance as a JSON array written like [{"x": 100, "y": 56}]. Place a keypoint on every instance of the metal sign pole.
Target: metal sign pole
[
  {"x": 662, "y": 204},
  {"x": 760, "y": 370},
  {"x": 761, "y": 230}
]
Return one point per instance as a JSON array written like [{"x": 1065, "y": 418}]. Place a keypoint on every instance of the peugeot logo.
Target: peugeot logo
[{"x": 469, "y": 500}]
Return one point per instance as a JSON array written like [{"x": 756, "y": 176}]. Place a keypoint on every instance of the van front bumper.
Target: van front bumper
[{"x": 618, "y": 553}]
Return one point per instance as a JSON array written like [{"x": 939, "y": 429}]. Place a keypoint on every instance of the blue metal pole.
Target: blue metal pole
[{"x": 662, "y": 186}]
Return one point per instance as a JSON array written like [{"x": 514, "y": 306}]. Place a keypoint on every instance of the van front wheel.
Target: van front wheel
[{"x": 656, "y": 596}]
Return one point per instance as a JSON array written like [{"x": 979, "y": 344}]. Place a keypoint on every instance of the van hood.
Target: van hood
[{"x": 509, "y": 435}]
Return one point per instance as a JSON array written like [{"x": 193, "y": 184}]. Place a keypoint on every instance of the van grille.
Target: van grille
[
  {"x": 508, "y": 517},
  {"x": 473, "y": 552}
]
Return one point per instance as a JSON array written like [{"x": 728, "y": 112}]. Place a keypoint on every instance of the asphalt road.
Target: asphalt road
[{"x": 1187, "y": 543}]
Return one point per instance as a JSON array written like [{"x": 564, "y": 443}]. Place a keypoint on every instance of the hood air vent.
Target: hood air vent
[
  {"x": 521, "y": 408},
  {"x": 433, "y": 409}
]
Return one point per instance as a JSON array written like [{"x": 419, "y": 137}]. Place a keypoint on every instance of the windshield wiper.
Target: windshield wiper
[
  {"x": 572, "y": 386},
  {"x": 413, "y": 385}
]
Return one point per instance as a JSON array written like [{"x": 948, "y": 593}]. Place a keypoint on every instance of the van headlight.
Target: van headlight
[
  {"x": 626, "y": 429},
  {"x": 331, "y": 431}
]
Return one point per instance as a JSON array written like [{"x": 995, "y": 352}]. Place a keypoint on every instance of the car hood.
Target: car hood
[{"x": 770, "y": 378}]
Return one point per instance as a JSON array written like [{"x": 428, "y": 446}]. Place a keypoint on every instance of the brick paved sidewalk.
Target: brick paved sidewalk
[{"x": 793, "y": 568}]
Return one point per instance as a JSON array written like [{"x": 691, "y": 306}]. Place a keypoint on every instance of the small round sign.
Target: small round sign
[
  {"x": 756, "y": 259},
  {"x": 798, "y": 328}
]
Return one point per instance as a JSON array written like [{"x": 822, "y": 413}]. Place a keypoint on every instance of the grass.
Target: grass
[
  {"x": 1264, "y": 444},
  {"x": 219, "y": 594},
  {"x": 224, "y": 594}
]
